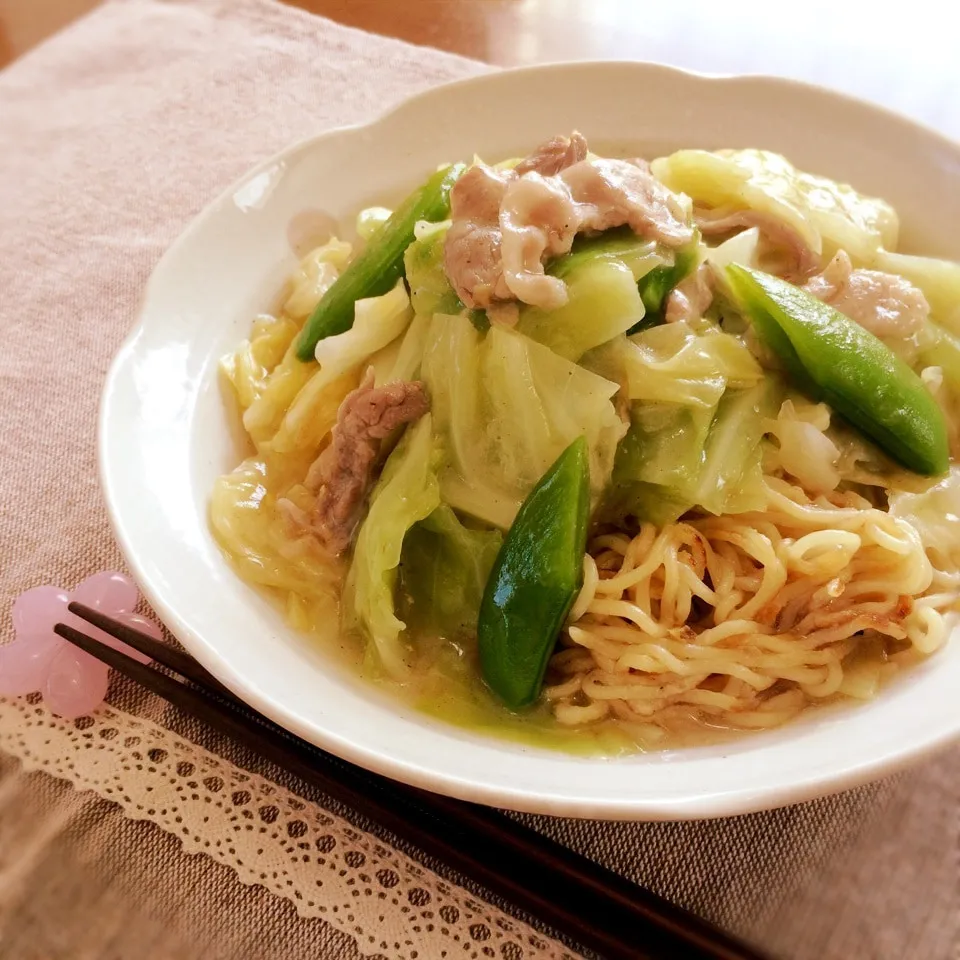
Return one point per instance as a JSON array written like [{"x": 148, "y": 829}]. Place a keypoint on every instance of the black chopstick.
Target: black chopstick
[
  {"x": 163, "y": 653},
  {"x": 594, "y": 906}
]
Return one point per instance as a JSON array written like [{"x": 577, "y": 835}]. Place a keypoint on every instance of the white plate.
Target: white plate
[{"x": 164, "y": 436}]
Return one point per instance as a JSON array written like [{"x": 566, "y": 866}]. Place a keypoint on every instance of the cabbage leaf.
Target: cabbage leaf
[
  {"x": 274, "y": 395},
  {"x": 658, "y": 462},
  {"x": 265, "y": 399},
  {"x": 406, "y": 493},
  {"x": 603, "y": 301},
  {"x": 677, "y": 457},
  {"x": 406, "y": 365},
  {"x": 505, "y": 407},
  {"x": 935, "y": 515},
  {"x": 312, "y": 412},
  {"x": 249, "y": 367},
  {"x": 314, "y": 276},
  {"x": 826, "y": 214},
  {"x": 674, "y": 363},
  {"x": 731, "y": 480},
  {"x": 443, "y": 572},
  {"x": 430, "y": 290},
  {"x": 742, "y": 248},
  {"x": 377, "y": 322},
  {"x": 370, "y": 220}
]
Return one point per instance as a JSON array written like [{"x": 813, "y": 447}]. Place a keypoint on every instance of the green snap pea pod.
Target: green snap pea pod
[
  {"x": 832, "y": 358},
  {"x": 655, "y": 286},
  {"x": 377, "y": 269},
  {"x": 535, "y": 579}
]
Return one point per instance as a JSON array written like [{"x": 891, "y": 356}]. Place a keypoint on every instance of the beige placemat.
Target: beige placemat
[{"x": 112, "y": 137}]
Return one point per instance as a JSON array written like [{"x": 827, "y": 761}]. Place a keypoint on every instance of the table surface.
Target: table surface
[
  {"x": 503, "y": 32},
  {"x": 474, "y": 28}
]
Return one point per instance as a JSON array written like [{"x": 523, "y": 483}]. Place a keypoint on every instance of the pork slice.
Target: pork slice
[
  {"x": 554, "y": 155},
  {"x": 713, "y": 223},
  {"x": 344, "y": 472},
  {"x": 887, "y": 305},
  {"x": 471, "y": 252},
  {"x": 538, "y": 219},
  {"x": 477, "y": 194},
  {"x": 507, "y": 223},
  {"x": 473, "y": 263},
  {"x": 614, "y": 193},
  {"x": 473, "y": 257},
  {"x": 691, "y": 297}
]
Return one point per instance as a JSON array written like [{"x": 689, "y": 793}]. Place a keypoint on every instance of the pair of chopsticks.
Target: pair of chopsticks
[{"x": 597, "y": 908}]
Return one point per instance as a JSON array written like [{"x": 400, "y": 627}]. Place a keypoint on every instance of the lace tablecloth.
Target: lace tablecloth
[{"x": 136, "y": 833}]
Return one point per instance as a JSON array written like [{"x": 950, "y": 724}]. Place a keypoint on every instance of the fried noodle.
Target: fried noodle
[{"x": 742, "y": 620}]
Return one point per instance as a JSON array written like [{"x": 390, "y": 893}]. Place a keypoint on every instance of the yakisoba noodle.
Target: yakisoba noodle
[{"x": 743, "y": 620}]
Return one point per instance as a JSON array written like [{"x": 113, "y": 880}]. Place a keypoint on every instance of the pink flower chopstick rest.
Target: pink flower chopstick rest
[{"x": 72, "y": 682}]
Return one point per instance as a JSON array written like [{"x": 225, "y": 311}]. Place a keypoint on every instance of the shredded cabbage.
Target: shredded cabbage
[
  {"x": 805, "y": 451},
  {"x": 443, "y": 572},
  {"x": 603, "y": 301},
  {"x": 406, "y": 493},
  {"x": 742, "y": 248},
  {"x": 270, "y": 396},
  {"x": 377, "y": 321},
  {"x": 249, "y": 367},
  {"x": 935, "y": 515},
  {"x": 676, "y": 457},
  {"x": 430, "y": 290},
  {"x": 370, "y": 220},
  {"x": 731, "y": 480},
  {"x": 505, "y": 407},
  {"x": 673, "y": 363},
  {"x": 313, "y": 411},
  {"x": 827, "y": 215},
  {"x": 314, "y": 276}
]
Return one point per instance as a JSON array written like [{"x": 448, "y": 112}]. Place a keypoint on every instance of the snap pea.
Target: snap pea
[
  {"x": 655, "y": 286},
  {"x": 535, "y": 579},
  {"x": 832, "y": 358},
  {"x": 377, "y": 269}
]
